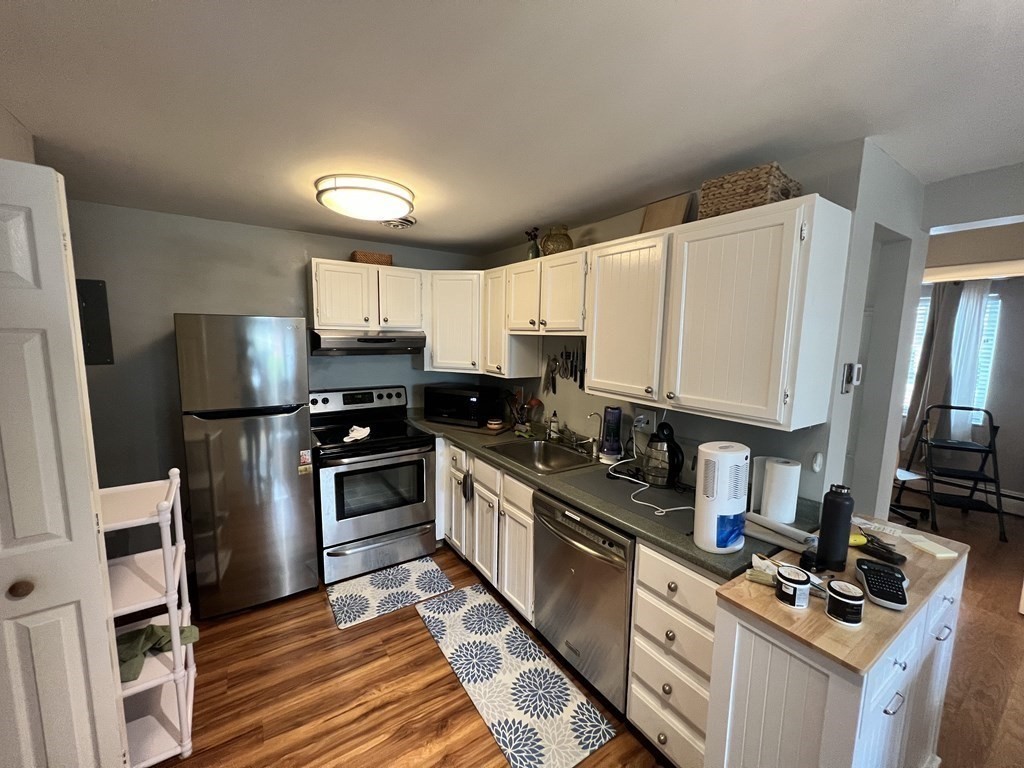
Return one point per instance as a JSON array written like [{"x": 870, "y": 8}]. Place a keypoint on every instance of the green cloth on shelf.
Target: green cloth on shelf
[{"x": 132, "y": 646}]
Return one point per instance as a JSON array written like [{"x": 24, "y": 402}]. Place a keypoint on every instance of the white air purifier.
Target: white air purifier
[{"x": 722, "y": 472}]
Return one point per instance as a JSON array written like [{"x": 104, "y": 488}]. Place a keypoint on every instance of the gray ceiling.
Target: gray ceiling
[{"x": 499, "y": 114}]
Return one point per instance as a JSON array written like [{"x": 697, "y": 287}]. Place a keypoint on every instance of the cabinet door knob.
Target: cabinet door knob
[
  {"x": 385, "y": 319},
  {"x": 501, "y": 512},
  {"x": 473, "y": 363},
  {"x": 666, "y": 689},
  {"x": 366, "y": 319},
  {"x": 649, "y": 390},
  {"x": 944, "y": 633},
  {"x": 20, "y": 589},
  {"x": 543, "y": 322},
  {"x": 458, "y": 482},
  {"x": 497, "y": 367},
  {"x": 490, "y": 504},
  {"x": 454, "y": 459},
  {"x": 672, "y": 586},
  {"x": 670, "y": 635},
  {"x": 533, "y": 322},
  {"x": 662, "y": 738},
  {"x": 670, "y": 396}
]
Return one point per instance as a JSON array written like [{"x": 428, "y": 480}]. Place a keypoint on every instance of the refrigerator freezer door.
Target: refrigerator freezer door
[
  {"x": 252, "y": 514},
  {"x": 229, "y": 362}
]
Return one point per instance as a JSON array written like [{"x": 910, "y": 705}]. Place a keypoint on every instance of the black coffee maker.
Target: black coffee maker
[{"x": 663, "y": 459}]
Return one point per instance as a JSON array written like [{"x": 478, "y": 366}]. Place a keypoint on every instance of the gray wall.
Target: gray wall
[
  {"x": 981, "y": 196},
  {"x": 156, "y": 264},
  {"x": 15, "y": 139}
]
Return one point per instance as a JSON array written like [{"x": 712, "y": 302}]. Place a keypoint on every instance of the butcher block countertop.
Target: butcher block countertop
[{"x": 855, "y": 648}]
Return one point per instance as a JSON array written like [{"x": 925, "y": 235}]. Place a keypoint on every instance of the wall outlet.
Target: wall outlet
[{"x": 644, "y": 431}]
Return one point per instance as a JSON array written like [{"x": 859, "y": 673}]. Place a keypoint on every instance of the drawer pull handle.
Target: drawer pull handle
[
  {"x": 672, "y": 586},
  {"x": 662, "y": 738},
  {"x": 948, "y": 599},
  {"x": 454, "y": 459},
  {"x": 666, "y": 689},
  {"x": 894, "y": 706},
  {"x": 670, "y": 635},
  {"x": 901, "y": 664},
  {"x": 944, "y": 633}
]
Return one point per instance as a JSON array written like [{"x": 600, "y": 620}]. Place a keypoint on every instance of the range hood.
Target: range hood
[{"x": 340, "y": 342}]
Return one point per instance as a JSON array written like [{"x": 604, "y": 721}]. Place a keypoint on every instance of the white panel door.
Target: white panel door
[
  {"x": 344, "y": 294},
  {"x": 495, "y": 351},
  {"x": 485, "y": 533},
  {"x": 737, "y": 290},
  {"x": 57, "y": 687},
  {"x": 624, "y": 340},
  {"x": 455, "y": 337},
  {"x": 563, "y": 279},
  {"x": 523, "y": 298},
  {"x": 401, "y": 298},
  {"x": 515, "y": 560}
]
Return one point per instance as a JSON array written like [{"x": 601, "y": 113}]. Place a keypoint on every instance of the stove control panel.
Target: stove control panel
[{"x": 338, "y": 400}]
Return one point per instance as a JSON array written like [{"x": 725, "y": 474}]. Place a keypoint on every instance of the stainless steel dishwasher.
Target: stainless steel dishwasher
[{"x": 582, "y": 572}]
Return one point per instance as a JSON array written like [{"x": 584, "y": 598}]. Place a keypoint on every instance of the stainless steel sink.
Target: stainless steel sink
[{"x": 541, "y": 457}]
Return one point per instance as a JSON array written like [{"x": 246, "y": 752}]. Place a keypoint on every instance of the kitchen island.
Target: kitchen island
[{"x": 794, "y": 688}]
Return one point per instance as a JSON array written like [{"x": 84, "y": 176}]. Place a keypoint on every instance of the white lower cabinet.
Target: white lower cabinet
[
  {"x": 493, "y": 530},
  {"x": 772, "y": 696},
  {"x": 670, "y": 655},
  {"x": 515, "y": 545}
]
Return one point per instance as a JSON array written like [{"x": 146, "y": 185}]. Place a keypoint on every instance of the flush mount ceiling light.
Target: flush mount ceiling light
[{"x": 364, "y": 197}]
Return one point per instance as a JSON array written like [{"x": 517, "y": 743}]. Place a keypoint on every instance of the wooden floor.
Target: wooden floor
[
  {"x": 283, "y": 686},
  {"x": 983, "y": 720}
]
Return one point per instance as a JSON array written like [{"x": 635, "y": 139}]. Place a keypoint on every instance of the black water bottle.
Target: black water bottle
[{"x": 834, "y": 536}]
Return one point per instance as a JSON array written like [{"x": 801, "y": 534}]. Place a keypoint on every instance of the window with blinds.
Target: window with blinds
[
  {"x": 986, "y": 352},
  {"x": 920, "y": 326}
]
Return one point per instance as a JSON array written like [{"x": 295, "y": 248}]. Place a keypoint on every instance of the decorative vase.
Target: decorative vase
[
  {"x": 556, "y": 241},
  {"x": 533, "y": 250}
]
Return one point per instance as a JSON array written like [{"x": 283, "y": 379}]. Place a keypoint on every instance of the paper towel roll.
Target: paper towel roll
[{"x": 781, "y": 486}]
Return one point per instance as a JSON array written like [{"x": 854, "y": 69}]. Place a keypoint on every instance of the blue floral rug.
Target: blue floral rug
[
  {"x": 535, "y": 713},
  {"x": 384, "y": 591}
]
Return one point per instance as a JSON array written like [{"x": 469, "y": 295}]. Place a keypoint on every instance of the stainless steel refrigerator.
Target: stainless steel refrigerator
[{"x": 245, "y": 420}]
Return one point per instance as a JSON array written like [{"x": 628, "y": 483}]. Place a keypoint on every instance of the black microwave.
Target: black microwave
[{"x": 467, "y": 405}]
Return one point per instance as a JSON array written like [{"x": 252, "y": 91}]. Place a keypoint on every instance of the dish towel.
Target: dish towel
[{"x": 132, "y": 646}]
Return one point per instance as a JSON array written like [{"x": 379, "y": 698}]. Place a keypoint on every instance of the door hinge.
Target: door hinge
[
  {"x": 803, "y": 231},
  {"x": 586, "y": 265},
  {"x": 785, "y": 396}
]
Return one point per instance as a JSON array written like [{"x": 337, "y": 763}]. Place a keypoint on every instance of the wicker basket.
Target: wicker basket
[
  {"x": 737, "y": 191},
  {"x": 369, "y": 257}
]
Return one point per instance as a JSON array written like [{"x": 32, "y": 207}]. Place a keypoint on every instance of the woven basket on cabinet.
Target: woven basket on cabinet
[
  {"x": 369, "y": 257},
  {"x": 750, "y": 188}
]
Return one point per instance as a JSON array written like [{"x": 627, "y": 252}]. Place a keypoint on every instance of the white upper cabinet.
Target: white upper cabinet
[
  {"x": 344, "y": 294},
  {"x": 627, "y": 286},
  {"x": 455, "y": 321},
  {"x": 504, "y": 355},
  {"x": 401, "y": 298},
  {"x": 547, "y": 295},
  {"x": 523, "y": 297},
  {"x": 563, "y": 277},
  {"x": 347, "y": 294},
  {"x": 753, "y": 313}
]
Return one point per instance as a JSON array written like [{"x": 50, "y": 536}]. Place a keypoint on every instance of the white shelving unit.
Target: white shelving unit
[{"x": 157, "y": 705}]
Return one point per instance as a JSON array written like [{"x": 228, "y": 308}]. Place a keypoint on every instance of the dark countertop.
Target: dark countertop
[{"x": 590, "y": 490}]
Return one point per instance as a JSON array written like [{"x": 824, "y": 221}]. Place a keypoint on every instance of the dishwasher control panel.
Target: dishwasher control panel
[{"x": 574, "y": 522}]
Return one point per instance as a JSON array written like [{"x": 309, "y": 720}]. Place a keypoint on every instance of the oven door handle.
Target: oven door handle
[
  {"x": 329, "y": 462},
  {"x": 577, "y": 544}
]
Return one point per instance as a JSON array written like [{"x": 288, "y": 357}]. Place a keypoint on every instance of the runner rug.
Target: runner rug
[
  {"x": 536, "y": 714},
  {"x": 375, "y": 594}
]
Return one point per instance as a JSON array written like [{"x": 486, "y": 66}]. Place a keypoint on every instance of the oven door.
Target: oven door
[{"x": 365, "y": 496}]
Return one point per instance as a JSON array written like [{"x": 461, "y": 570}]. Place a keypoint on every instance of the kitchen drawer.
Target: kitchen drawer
[
  {"x": 670, "y": 682},
  {"x": 457, "y": 458},
  {"x": 673, "y": 631},
  {"x": 677, "y": 584},
  {"x": 486, "y": 475},
  {"x": 940, "y": 607},
  {"x": 670, "y": 734},
  {"x": 897, "y": 665},
  {"x": 517, "y": 494}
]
